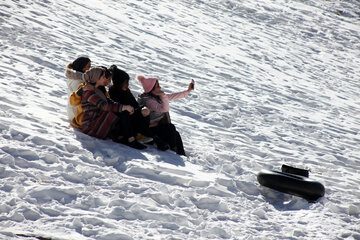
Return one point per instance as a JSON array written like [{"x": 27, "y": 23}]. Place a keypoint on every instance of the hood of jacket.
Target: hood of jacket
[{"x": 72, "y": 74}]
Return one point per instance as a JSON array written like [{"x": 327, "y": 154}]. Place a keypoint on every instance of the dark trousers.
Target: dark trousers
[
  {"x": 168, "y": 133},
  {"x": 123, "y": 127},
  {"x": 130, "y": 125},
  {"x": 140, "y": 123}
]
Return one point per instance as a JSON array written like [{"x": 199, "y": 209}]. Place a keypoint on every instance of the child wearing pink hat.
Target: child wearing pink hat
[{"x": 158, "y": 103}]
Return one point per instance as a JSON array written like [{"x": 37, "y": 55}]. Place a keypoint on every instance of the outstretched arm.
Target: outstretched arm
[{"x": 184, "y": 94}]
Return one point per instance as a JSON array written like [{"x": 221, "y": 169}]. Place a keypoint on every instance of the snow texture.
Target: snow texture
[{"x": 277, "y": 82}]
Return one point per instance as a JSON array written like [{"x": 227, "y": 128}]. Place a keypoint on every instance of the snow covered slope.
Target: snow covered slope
[{"x": 277, "y": 82}]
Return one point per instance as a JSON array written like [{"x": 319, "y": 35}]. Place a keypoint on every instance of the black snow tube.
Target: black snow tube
[{"x": 291, "y": 184}]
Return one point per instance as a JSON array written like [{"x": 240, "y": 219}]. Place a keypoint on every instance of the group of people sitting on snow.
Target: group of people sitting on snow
[{"x": 115, "y": 113}]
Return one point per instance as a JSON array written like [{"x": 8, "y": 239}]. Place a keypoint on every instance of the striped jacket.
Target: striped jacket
[{"x": 99, "y": 114}]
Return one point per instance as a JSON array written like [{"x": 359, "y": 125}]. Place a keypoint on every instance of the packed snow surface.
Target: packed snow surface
[{"x": 277, "y": 82}]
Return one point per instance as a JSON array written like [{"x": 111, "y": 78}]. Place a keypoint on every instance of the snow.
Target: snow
[{"x": 277, "y": 82}]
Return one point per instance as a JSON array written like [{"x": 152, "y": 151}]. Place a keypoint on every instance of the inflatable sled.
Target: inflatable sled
[{"x": 292, "y": 181}]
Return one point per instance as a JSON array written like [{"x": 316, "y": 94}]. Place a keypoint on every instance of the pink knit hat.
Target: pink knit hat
[{"x": 147, "y": 83}]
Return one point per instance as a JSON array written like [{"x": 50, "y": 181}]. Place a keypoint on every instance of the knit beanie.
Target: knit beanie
[
  {"x": 119, "y": 77},
  {"x": 93, "y": 74},
  {"x": 80, "y": 63},
  {"x": 147, "y": 83}
]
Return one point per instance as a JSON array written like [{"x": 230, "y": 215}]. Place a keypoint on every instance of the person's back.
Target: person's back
[
  {"x": 75, "y": 101},
  {"x": 74, "y": 72}
]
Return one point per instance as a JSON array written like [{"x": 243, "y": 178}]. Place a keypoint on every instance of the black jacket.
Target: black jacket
[{"x": 123, "y": 97}]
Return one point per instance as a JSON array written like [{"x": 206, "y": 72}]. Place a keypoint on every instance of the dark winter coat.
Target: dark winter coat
[{"x": 123, "y": 97}]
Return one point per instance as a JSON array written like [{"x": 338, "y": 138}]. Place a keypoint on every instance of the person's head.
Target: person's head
[
  {"x": 148, "y": 83},
  {"x": 120, "y": 78},
  {"x": 105, "y": 77},
  {"x": 156, "y": 87},
  {"x": 81, "y": 64},
  {"x": 98, "y": 76}
]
